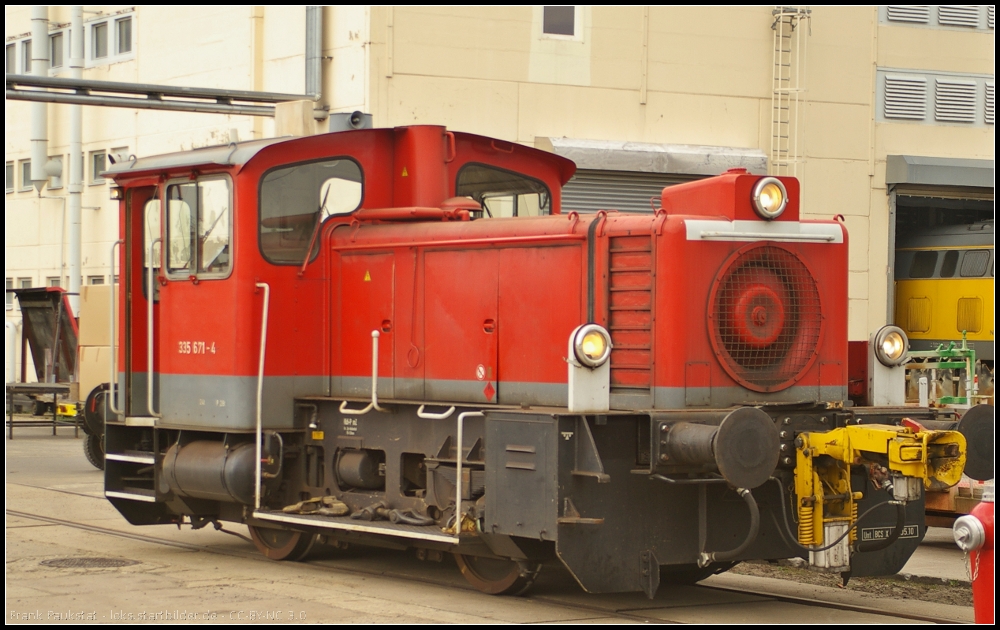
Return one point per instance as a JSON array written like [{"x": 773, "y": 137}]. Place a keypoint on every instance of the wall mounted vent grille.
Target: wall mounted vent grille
[
  {"x": 963, "y": 17},
  {"x": 959, "y": 15},
  {"x": 901, "y": 13},
  {"x": 955, "y": 101},
  {"x": 929, "y": 97},
  {"x": 905, "y": 97},
  {"x": 989, "y": 104}
]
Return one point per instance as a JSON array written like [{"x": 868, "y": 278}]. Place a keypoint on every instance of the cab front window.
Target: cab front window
[{"x": 199, "y": 230}]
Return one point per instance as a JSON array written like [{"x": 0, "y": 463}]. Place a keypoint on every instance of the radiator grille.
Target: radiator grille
[{"x": 766, "y": 317}]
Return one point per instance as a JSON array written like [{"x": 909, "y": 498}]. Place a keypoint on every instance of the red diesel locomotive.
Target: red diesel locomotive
[{"x": 399, "y": 337}]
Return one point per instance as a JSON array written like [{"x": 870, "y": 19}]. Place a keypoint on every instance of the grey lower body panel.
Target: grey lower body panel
[
  {"x": 722, "y": 397},
  {"x": 557, "y": 394},
  {"x": 222, "y": 403}
]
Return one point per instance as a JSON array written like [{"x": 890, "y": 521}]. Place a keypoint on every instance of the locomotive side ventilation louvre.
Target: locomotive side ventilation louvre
[
  {"x": 631, "y": 325},
  {"x": 765, "y": 317}
]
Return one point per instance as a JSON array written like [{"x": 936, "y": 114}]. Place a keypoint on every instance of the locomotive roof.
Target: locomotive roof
[
  {"x": 963, "y": 235},
  {"x": 223, "y": 155},
  {"x": 239, "y": 153}
]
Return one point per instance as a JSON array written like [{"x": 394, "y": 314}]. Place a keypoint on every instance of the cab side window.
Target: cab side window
[
  {"x": 975, "y": 263},
  {"x": 295, "y": 200},
  {"x": 503, "y": 193},
  {"x": 924, "y": 264}
]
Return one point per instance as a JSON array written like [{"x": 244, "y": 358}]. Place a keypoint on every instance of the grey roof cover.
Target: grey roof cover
[
  {"x": 938, "y": 171},
  {"x": 647, "y": 157},
  {"x": 223, "y": 155}
]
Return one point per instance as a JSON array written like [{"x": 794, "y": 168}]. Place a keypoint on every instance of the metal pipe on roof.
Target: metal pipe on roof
[
  {"x": 76, "y": 165},
  {"x": 39, "y": 111}
]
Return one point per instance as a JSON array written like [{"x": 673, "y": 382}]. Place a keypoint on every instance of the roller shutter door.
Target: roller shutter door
[{"x": 626, "y": 191}]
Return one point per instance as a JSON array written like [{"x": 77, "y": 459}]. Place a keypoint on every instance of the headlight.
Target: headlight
[
  {"x": 769, "y": 198},
  {"x": 592, "y": 345},
  {"x": 890, "y": 346}
]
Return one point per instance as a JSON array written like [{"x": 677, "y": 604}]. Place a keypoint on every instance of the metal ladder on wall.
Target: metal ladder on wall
[{"x": 789, "y": 65}]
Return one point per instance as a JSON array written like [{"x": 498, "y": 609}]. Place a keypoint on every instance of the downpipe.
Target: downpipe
[
  {"x": 39, "y": 111},
  {"x": 75, "y": 204}
]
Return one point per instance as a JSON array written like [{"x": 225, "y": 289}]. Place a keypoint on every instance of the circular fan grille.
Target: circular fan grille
[{"x": 765, "y": 317}]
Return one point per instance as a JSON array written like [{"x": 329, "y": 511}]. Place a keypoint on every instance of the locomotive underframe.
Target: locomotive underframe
[{"x": 536, "y": 483}]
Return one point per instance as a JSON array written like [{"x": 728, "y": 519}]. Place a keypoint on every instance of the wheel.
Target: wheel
[
  {"x": 93, "y": 448},
  {"x": 692, "y": 573},
  {"x": 95, "y": 409},
  {"x": 282, "y": 544},
  {"x": 496, "y": 576}
]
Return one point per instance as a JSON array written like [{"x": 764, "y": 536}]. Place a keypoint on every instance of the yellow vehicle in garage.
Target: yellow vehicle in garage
[{"x": 944, "y": 287}]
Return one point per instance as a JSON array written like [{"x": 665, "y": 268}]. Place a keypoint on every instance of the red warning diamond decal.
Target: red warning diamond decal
[{"x": 489, "y": 391}]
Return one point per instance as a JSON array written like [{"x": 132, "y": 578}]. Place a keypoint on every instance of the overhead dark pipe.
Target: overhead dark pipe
[
  {"x": 120, "y": 87},
  {"x": 39, "y": 96}
]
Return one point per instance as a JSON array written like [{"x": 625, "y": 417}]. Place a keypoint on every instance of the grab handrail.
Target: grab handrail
[
  {"x": 458, "y": 468},
  {"x": 150, "y": 290},
  {"x": 112, "y": 404},
  {"x": 374, "y": 403},
  {"x": 434, "y": 416},
  {"x": 260, "y": 386}
]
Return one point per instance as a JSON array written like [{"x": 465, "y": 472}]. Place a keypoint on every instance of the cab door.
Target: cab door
[
  {"x": 141, "y": 255},
  {"x": 201, "y": 310}
]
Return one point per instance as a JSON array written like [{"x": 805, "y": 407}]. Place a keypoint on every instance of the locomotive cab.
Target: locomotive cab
[{"x": 400, "y": 336}]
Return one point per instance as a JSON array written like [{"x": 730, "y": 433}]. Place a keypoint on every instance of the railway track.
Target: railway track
[{"x": 554, "y": 594}]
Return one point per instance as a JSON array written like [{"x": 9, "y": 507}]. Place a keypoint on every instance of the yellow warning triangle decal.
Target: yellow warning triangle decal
[
  {"x": 368, "y": 277},
  {"x": 405, "y": 174}
]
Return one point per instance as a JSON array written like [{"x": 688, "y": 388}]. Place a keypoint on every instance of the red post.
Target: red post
[{"x": 974, "y": 534}]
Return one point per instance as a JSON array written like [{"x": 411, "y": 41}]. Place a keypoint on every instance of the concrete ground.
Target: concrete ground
[
  {"x": 50, "y": 485},
  {"x": 937, "y": 558}
]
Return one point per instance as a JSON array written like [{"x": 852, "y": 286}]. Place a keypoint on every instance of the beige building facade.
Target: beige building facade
[{"x": 655, "y": 92}]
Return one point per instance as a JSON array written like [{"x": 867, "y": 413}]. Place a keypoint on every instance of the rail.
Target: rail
[
  {"x": 113, "y": 399},
  {"x": 260, "y": 385}
]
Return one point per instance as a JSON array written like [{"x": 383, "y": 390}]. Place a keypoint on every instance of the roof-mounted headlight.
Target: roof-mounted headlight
[
  {"x": 769, "y": 198},
  {"x": 591, "y": 345},
  {"x": 891, "y": 346}
]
